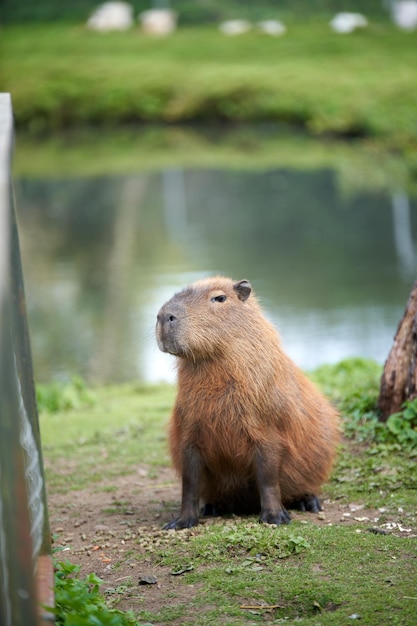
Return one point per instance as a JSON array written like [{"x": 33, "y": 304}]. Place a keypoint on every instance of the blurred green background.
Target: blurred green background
[{"x": 195, "y": 11}]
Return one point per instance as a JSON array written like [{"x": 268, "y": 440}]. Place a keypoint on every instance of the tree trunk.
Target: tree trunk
[{"x": 399, "y": 378}]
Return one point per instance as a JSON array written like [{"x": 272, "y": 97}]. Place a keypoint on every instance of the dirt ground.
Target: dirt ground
[{"x": 106, "y": 527}]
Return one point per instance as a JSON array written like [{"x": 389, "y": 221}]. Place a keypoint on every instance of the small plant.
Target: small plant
[
  {"x": 360, "y": 419},
  {"x": 260, "y": 539},
  {"x": 361, "y": 424},
  {"x": 401, "y": 427},
  {"x": 78, "y": 602},
  {"x": 56, "y": 397},
  {"x": 353, "y": 384}
]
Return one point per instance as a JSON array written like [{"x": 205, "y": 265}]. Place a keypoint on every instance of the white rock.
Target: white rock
[
  {"x": 272, "y": 27},
  {"x": 404, "y": 14},
  {"x": 348, "y": 22},
  {"x": 158, "y": 21},
  {"x": 235, "y": 27},
  {"x": 111, "y": 16}
]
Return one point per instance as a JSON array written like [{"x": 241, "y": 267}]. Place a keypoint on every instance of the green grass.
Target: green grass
[
  {"x": 239, "y": 574},
  {"x": 236, "y": 571},
  {"x": 375, "y": 578},
  {"x": 122, "y": 426},
  {"x": 361, "y": 84}
]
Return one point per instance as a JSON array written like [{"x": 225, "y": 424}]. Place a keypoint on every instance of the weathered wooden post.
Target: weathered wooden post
[
  {"x": 399, "y": 378},
  {"x": 26, "y": 570}
]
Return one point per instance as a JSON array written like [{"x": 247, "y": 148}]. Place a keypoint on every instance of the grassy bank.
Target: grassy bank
[
  {"x": 360, "y": 165},
  {"x": 109, "y": 446},
  {"x": 363, "y": 84}
]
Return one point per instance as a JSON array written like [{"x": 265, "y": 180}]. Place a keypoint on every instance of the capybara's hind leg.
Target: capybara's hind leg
[
  {"x": 210, "y": 510},
  {"x": 307, "y": 503}
]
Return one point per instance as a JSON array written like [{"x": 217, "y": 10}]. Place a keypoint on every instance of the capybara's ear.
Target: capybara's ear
[{"x": 243, "y": 289}]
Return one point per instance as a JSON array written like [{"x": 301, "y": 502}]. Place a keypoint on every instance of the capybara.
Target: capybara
[{"x": 249, "y": 432}]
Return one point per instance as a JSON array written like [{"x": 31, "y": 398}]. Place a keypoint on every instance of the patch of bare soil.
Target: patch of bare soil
[{"x": 106, "y": 527}]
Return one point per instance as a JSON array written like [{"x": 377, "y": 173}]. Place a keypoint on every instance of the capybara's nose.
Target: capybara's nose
[{"x": 164, "y": 318}]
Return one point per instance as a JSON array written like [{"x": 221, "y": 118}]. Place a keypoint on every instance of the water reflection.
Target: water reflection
[
  {"x": 101, "y": 255},
  {"x": 403, "y": 239}
]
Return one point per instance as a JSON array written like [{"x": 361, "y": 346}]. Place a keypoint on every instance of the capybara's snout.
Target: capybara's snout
[{"x": 167, "y": 322}]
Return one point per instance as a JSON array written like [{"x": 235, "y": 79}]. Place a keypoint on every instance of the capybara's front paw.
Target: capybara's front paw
[
  {"x": 307, "y": 503},
  {"x": 180, "y": 523},
  {"x": 275, "y": 517}
]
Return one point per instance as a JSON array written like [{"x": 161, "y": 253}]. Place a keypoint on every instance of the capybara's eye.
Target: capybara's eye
[{"x": 221, "y": 298}]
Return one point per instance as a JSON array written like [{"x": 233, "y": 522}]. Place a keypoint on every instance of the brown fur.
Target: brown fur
[{"x": 249, "y": 431}]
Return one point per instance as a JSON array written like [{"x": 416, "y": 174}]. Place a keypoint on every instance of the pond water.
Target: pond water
[{"x": 332, "y": 267}]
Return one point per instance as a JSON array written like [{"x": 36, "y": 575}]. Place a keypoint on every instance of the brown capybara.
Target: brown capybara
[{"x": 249, "y": 432}]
